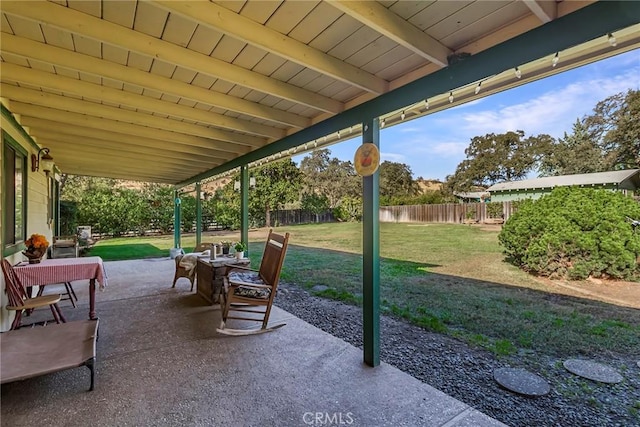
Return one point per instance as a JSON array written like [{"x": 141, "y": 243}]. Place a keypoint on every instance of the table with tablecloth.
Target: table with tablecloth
[{"x": 61, "y": 270}]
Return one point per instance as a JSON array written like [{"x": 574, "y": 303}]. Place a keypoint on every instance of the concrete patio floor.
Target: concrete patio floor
[{"x": 161, "y": 362}]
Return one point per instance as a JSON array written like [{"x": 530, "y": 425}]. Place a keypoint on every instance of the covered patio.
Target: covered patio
[
  {"x": 183, "y": 92},
  {"x": 160, "y": 362}
]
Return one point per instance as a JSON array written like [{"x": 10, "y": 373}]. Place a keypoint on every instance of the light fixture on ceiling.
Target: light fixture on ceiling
[
  {"x": 555, "y": 60},
  {"x": 612, "y": 40},
  {"x": 450, "y": 97},
  {"x": 478, "y": 88},
  {"x": 252, "y": 184},
  {"x": 44, "y": 161},
  {"x": 402, "y": 115},
  {"x": 518, "y": 72},
  {"x": 426, "y": 104}
]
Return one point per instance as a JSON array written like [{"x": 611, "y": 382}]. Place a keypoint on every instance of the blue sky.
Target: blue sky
[{"x": 434, "y": 145}]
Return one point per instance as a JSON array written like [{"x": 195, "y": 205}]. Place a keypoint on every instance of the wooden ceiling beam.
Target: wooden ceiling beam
[
  {"x": 44, "y": 99},
  {"x": 376, "y": 16},
  {"x": 545, "y": 10},
  {"x": 76, "y": 22},
  {"x": 88, "y": 64},
  {"x": 19, "y": 74},
  {"x": 62, "y": 145},
  {"x": 106, "y": 172},
  {"x": 99, "y": 125},
  {"x": 40, "y": 127},
  {"x": 224, "y": 20}
]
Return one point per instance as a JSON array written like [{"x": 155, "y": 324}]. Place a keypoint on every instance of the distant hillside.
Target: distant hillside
[{"x": 429, "y": 185}]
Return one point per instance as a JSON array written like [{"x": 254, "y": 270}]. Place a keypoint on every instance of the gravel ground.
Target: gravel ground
[{"x": 466, "y": 373}]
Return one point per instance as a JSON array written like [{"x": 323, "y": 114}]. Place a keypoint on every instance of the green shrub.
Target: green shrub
[{"x": 575, "y": 233}]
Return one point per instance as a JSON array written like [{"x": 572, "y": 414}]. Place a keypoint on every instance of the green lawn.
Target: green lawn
[{"x": 447, "y": 278}]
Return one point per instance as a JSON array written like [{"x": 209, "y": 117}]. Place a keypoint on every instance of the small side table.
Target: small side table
[{"x": 210, "y": 273}]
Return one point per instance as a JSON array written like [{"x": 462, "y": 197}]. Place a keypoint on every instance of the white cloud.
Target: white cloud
[
  {"x": 553, "y": 112},
  {"x": 449, "y": 149},
  {"x": 393, "y": 157}
]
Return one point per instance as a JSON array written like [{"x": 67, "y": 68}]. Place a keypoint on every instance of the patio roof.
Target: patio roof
[
  {"x": 584, "y": 179},
  {"x": 176, "y": 92}
]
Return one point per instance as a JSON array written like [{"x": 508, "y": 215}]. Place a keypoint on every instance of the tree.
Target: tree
[
  {"x": 615, "y": 126},
  {"x": 396, "y": 180},
  {"x": 315, "y": 203},
  {"x": 159, "y": 214},
  {"x": 496, "y": 158},
  {"x": 574, "y": 153},
  {"x": 277, "y": 183},
  {"x": 330, "y": 177}
]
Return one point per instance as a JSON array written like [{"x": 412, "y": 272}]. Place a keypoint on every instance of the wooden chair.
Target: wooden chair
[
  {"x": 65, "y": 247},
  {"x": 189, "y": 273},
  {"x": 20, "y": 301},
  {"x": 253, "y": 291}
]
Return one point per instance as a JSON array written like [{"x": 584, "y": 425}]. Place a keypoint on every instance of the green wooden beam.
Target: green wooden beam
[
  {"x": 176, "y": 219},
  {"x": 244, "y": 207},
  {"x": 585, "y": 24},
  {"x": 198, "y": 213},
  {"x": 371, "y": 254}
]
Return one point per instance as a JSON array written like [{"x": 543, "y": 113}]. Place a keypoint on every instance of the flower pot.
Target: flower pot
[
  {"x": 240, "y": 255},
  {"x": 225, "y": 250},
  {"x": 34, "y": 255}
]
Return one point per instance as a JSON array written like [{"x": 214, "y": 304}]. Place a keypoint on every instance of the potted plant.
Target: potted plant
[
  {"x": 225, "y": 247},
  {"x": 240, "y": 248}
]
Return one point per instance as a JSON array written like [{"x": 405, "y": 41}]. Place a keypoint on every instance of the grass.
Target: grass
[{"x": 446, "y": 278}]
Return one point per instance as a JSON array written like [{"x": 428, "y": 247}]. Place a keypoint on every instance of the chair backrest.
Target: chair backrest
[
  {"x": 65, "y": 240},
  {"x": 273, "y": 257},
  {"x": 14, "y": 289}
]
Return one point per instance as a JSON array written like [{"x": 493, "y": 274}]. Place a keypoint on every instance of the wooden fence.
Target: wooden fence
[
  {"x": 453, "y": 213},
  {"x": 299, "y": 216}
]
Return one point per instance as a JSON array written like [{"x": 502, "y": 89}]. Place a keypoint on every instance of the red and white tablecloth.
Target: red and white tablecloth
[{"x": 62, "y": 270}]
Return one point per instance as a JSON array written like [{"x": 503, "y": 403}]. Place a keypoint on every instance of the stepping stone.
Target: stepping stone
[
  {"x": 521, "y": 381},
  {"x": 593, "y": 371}
]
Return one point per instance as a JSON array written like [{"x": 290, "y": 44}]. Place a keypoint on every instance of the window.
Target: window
[{"x": 14, "y": 185}]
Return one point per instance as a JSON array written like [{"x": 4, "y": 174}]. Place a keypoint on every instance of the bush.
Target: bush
[{"x": 575, "y": 233}]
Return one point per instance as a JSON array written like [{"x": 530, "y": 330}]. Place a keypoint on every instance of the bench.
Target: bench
[{"x": 31, "y": 352}]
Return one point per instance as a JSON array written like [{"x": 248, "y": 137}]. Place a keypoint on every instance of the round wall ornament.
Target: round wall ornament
[{"x": 367, "y": 159}]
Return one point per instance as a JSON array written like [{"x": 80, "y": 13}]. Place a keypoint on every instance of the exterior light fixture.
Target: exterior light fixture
[
  {"x": 252, "y": 184},
  {"x": 402, "y": 116},
  {"x": 44, "y": 161},
  {"x": 555, "y": 60},
  {"x": 450, "y": 97},
  {"x": 478, "y": 88},
  {"x": 518, "y": 73},
  {"x": 612, "y": 40}
]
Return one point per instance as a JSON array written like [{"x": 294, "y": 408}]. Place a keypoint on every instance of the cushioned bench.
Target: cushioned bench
[{"x": 30, "y": 352}]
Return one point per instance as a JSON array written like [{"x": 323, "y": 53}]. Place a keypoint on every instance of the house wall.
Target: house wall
[
  {"x": 510, "y": 196},
  {"x": 37, "y": 203}
]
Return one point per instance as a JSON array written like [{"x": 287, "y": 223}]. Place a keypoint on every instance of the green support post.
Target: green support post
[
  {"x": 198, "y": 213},
  {"x": 176, "y": 220},
  {"x": 244, "y": 206},
  {"x": 371, "y": 254}
]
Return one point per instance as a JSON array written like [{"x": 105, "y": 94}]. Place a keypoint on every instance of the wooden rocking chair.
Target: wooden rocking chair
[
  {"x": 253, "y": 291},
  {"x": 20, "y": 301}
]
